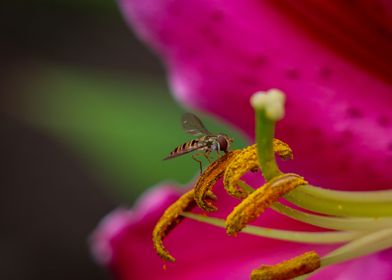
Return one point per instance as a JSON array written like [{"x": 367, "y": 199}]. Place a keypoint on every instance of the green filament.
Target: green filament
[
  {"x": 287, "y": 235},
  {"x": 336, "y": 223}
]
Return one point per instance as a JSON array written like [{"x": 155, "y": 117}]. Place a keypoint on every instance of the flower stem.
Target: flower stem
[{"x": 287, "y": 235}]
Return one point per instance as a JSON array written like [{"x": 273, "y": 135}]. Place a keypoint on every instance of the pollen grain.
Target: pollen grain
[
  {"x": 170, "y": 218},
  {"x": 244, "y": 161},
  {"x": 208, "y": 179},
  {"x": 300, "y": 265},
  {"x": 282, "y": 149},
  {"x": 262, "y": 198},
  {"x": 247, "y": 160}
]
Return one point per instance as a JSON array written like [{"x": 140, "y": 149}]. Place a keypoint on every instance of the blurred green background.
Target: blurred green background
[
  {"x": 121, "y": 128},
  {"x": 86, "y": 118}
]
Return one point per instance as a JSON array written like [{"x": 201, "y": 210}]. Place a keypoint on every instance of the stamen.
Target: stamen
[
  {"x": 349, "y": 196},
  {"x": 364, "y": 218},
  {"x": 208, "y": 179},
  {"x": 338, "y": 207},
  {"x": 337, "y": 223},
  {"x": 306, "y": 196},
  {"x": 255, "y": 204},
  {"x": 282, "y": 149},
  {"x": 300, "y": 265},
  {"x": 362, "y": 246},
  {"x": 246, "y": 161},
  {"x": 170, "y": 218}
]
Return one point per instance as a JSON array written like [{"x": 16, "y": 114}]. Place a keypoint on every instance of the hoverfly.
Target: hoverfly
[{"x": 206, "y": 143}]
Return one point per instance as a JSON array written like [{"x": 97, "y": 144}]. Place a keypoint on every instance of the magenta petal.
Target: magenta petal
[
  {"x": 333, "y": 60},
  {"x": 123, "y": 243},
  {"x": 203, "y": 251},
  {"x": 116, "y": 224},
  {"x": 339, "y": 120},
  {"x": 369, "y": 267}
]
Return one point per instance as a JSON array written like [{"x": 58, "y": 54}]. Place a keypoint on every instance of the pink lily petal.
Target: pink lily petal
[
  {"x": 370, "y": 267},
  {"x": 203, "y": 251},
  {"x": 332, "y": 58}
]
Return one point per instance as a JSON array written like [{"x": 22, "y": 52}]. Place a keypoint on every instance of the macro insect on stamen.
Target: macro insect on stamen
[
  {"x": 361, "y": 220},
  {"x": 205, "y": 144}
]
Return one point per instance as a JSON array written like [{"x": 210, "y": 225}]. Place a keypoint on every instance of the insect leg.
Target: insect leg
[
  {"x": 207, "y": 156},
  {"x": 199, "y": 161}
]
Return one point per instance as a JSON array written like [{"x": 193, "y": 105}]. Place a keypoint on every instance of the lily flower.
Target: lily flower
[
  {"x": 360, "y": 220},
  {"x": 348, "y": 217},
  {"x": 332, "y": 59}
]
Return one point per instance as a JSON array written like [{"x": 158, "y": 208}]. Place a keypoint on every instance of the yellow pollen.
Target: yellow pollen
[
  {"x": 170, "y": 218},
  {"x": 262, "y": 198},
  {"x": 282, "y": 149},
  {"x": 245, "y": 161},
  {"x": 208, "y": 179},
  {"x": 300, "y": 265}
]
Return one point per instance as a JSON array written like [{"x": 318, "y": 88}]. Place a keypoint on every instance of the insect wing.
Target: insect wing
[{"x": 193, "y": 125}]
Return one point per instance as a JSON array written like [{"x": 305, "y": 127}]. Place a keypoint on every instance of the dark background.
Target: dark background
[
  {"x": 86, "y": 117},
  {"x": 49, "y": 199}
]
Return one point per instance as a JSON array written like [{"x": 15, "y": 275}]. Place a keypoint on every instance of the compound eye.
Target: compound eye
[{"x": 222, "y": 143}]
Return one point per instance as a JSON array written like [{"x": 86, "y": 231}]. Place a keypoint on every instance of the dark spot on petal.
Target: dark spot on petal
[
  {"x": 214, "y": 41},
  {"x": 190, "y": 52},
  {"x": 345, "y": 138},
  {"x": 248, "y": 80},
  {"x": 383, "y": 31},
  {"x": 389, "y": 146},
  {"x": 258, "y": 61},
  {"x": 347, "y": 135},
  {"x": 292, "y": 74},
  {"x": 338, "y": 144},
  {"x": 383, "y": 121},
  {"x": 354, "y": 113},
  {"x": 315, "y": 132},
  {"x": 343, "y": 166},
  {"x": 217, "y": 16},
  {"x": 211, "y": 37},
  {"x": 325, "y": 73}
]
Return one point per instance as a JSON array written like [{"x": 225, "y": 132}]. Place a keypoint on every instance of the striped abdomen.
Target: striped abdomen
[{"x": 185, "y": 148}]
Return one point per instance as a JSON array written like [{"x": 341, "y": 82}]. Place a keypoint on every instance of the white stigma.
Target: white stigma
[{"x": 271, "y": 101}]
